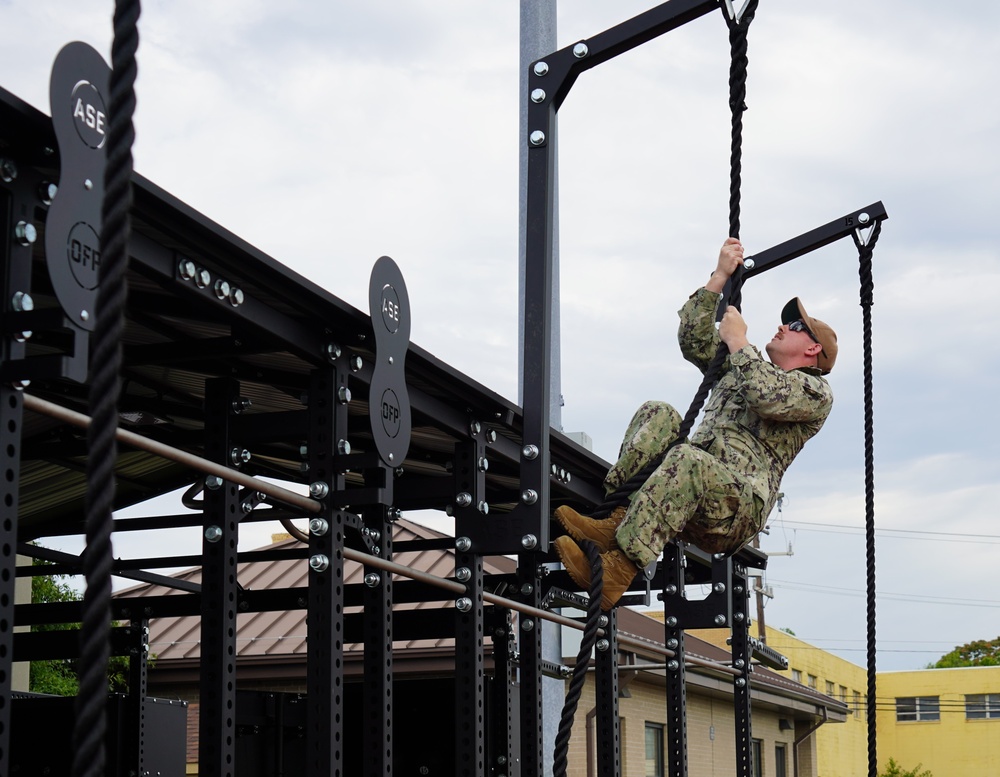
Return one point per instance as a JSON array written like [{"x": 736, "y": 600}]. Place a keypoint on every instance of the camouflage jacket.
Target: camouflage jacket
[{"x": 758, "y": 416}]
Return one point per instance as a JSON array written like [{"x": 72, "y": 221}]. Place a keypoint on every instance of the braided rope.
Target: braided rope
[
  {"x": 867, "y": 299},
  {"x": 105, "y": 383},
  {"x": 587, "y": 643}
]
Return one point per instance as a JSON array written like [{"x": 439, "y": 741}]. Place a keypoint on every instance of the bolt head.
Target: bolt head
[
  {"x": 372, "y": 579},
  {"x": 222, "y": 289},
  {"x": 186, "y": 269},
  {"x": 719, "y": 587},
  {"x": 529, "y": 496},
  {"x": 213, "y": 482},
  {"x": 47, "y": 192},
  {"x": 25, "y": 233},
  {"x": 527, "y": 625},
  {"x": 672, "y": 621},
  {"x": 319, "y": 563},
  {"x": 864, "y": 218},
  {"x": 720, "y": 620},
  {"x": 333, "y": 351},
  {"x": 530, "y": 452},
  {"x": 464, "y": 499},
  {"x": 484, "y": 508},
  {"x": 491, "y": 435},
  {"x": 318, "y": 526},
  {"x": 236, "y": 297},
  {"x": 343, "y": 447},
  {"x": 537, "y": 137},
  {"x": 580, "y": 50},
  {"x": 483, "y": 464},
  {"x": 343, "y": 395},
  {"x": 462, "y": 574},
  {"x": 202, "y": 278},
  {"x": 537, "y": 95},
  {"x": 22, "y": 302},
  {"x": 213, "y": 533},
  {"x": 529, "y": 542},
  {"x": 355, "y": 362},
  {"x": 319, "y": 489},
  {"x": 749, "y": 264},
  {"x": 463, "y": 604},
  {"x": 463, "y": 544},
  {"x": 541, "y": 68},
  {"x": 670, "y": 590},
  {"x": 8, "y": 170},
  {"x": 84, "y": 315},
  {"x": 603, "y": 645},
  {"x": 673, "y": 665}
]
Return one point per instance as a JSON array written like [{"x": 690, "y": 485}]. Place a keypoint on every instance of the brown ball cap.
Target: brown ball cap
[{"x": 826, "y": 337}]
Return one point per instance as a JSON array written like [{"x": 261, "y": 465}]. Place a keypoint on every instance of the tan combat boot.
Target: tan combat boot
[
  {"x": 600, "y": 532},
  {"x": 619, "y": 570}
]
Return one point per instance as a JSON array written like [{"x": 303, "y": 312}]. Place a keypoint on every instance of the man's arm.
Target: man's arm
[{"x": 696, "y": 334}]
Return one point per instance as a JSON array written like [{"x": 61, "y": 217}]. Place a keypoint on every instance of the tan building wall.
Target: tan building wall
[
  {"x": 953, "y": 745},
  {"x": 841, "y": 750},
  {"x": 710, "y": 733}
]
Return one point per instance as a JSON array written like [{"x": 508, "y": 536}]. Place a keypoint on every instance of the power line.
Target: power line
[
  {"x": 923, "y": 599},
  {"x": 906, "y": 534}
]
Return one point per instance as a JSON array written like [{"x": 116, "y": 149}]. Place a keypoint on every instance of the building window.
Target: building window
[
  {"x": 917, "y": 708},
  {"x": 797, "y": 675},
  {"x": 780, "y": 759},
  {"x": 857, "y": 704},
  {"x": 813, "y": 681},
  {"x": 654, "y": 750},
  {"x": 757, "y": 757},
  {"x": 979, "y": 706},
  {"x": 831, "y": 689},
  {"x": 843, "y": 693}
]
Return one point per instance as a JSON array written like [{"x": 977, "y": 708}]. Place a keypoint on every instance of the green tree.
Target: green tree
[
  {"x": 59, "y": 676},
  {"x": 980, "y": 652},
  {"x": 893, "y": 769}
]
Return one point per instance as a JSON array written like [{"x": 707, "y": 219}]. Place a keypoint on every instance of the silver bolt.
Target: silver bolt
[
  {"x": 23, "y": 337},
  {"x": 462, "y": 574},
  {"x": 463, "y": 544},
  {"x": 738, "y": 617},
  {"x": 303, "y": 450},
  {"x": 246, "y": 507},
  {"x": 213, "y": 533},
  {"x": 484, "y": 508},
  {"x": 343, "y": 447},
  {"x": 88, "y": 184},
  {"x": 344, "y": 395},
  {"x": 20, "y": 385},
  {"x": 670, "y": 590},
  {"x": 537, "y": 95},
  {"x": 739, "y": 663},
  {"x": 602, "y": 621},
  {"x": 47, "y": 192},
  {"x": 25, "y": 233},
  {"x": 541, "y": 68},
  {"x": 738, "y": 589},
  {"x": 355, "y": 362},
  {"x": 372, "y": 579},
  {"x": 672, "y": 643},
  {"x": 475, "y": 428},
  {"x": 8, "y": 170},
  {"x": 242, "y": 403},
  {"x": 530, "y": 452},
  {"x": 318, "y": 526},
  {"x": 202, "y": 278},
  {"x": 483, "y": 464},
  {"x": 463, "y": 604},
  {"x": 318, "y": 489},
  {"x": 749, "y": 264},
  {"x": 333, "y": 351},
  {"x": 501, "y": 759},
  {"x": 304, "y": 467},
  {"x": 221, "y": 289},
  {"x": 213, "y": 482},
  {"x": 22, "y": 302},
  {"x": 529, "y": 496},
  {"x": 529, "y": 541},
  {"x": 740, "y": 682},
  {"x": 863, "y": 218},
  {"x": 527, "y": 624},
  {"x": 720, "y": 620},
  {"x": 673, "y": 665},
  {"x": 491, "y": 435},
  {"x": 464, "y": 499},
  {"x": 719, "y": 587},
  {"x": 186, "y": 269},
  {"x": 537, "y": 137},
  {"x": 671, "y": 620},
  {"x": 236, "y": 297},
  {"x": 239, "y": 456},
  {"x": 376, "y": 550},
  {"x": 527, "y": 589},
  {"x": 84, "y": 315},
  {"x": 603, "y": 644},
  {"x": 319, "y": 563},
  {"x": 580, "y": 50}
]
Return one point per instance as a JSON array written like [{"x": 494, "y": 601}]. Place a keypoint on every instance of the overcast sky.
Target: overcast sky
[{"x": 329, "y": 134}]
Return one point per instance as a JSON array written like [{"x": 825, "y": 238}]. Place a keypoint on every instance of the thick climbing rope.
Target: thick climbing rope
[
  {"x": 579, "y": 677},
  {"x": 91, "y": 720},
  {"x": 865, "y": 249},
  {"x": 738, "y": 26}
]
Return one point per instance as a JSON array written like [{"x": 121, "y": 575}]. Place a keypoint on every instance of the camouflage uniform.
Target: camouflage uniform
[{"x": 716, "y": 490}]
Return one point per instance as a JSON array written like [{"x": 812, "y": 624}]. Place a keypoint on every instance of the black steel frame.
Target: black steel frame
[{"x": 283, "y": 369}]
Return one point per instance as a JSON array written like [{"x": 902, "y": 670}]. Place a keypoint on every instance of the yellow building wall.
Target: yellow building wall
[
  {"x": 952, "y": 746},
  {"x": 841, "y": 749}
]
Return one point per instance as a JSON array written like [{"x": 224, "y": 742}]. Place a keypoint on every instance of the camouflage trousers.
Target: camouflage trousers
[{"x": 691, "y": 495}]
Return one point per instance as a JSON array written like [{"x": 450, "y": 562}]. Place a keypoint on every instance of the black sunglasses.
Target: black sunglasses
[{"x": 799, "y": 326}]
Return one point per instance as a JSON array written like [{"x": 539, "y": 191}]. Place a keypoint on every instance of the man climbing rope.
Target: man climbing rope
[{"x": 716, "y": 490}]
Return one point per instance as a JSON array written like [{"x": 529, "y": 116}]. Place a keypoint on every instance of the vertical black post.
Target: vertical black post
[
  {"x": 673, "y": 638},
  {"x": 741, "y": 661},
  {"x": 217, "y": 726},
  {"x": 378, "y": 642},
  {"x": 469, "y": 470},
  {"x": 134, "y": 727},
  {"x": 328, "y": 397},
  {"x": 609, "y": 756},
  {"x": 502, "y": 717},
  {"x": 530, "y": 669}
]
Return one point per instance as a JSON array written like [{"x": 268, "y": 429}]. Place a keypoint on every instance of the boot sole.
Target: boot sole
[{"x": 579, "y": 536}]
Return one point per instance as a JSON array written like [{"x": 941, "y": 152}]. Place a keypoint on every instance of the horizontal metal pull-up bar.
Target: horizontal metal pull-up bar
[{"x": 126, "y": 437}]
